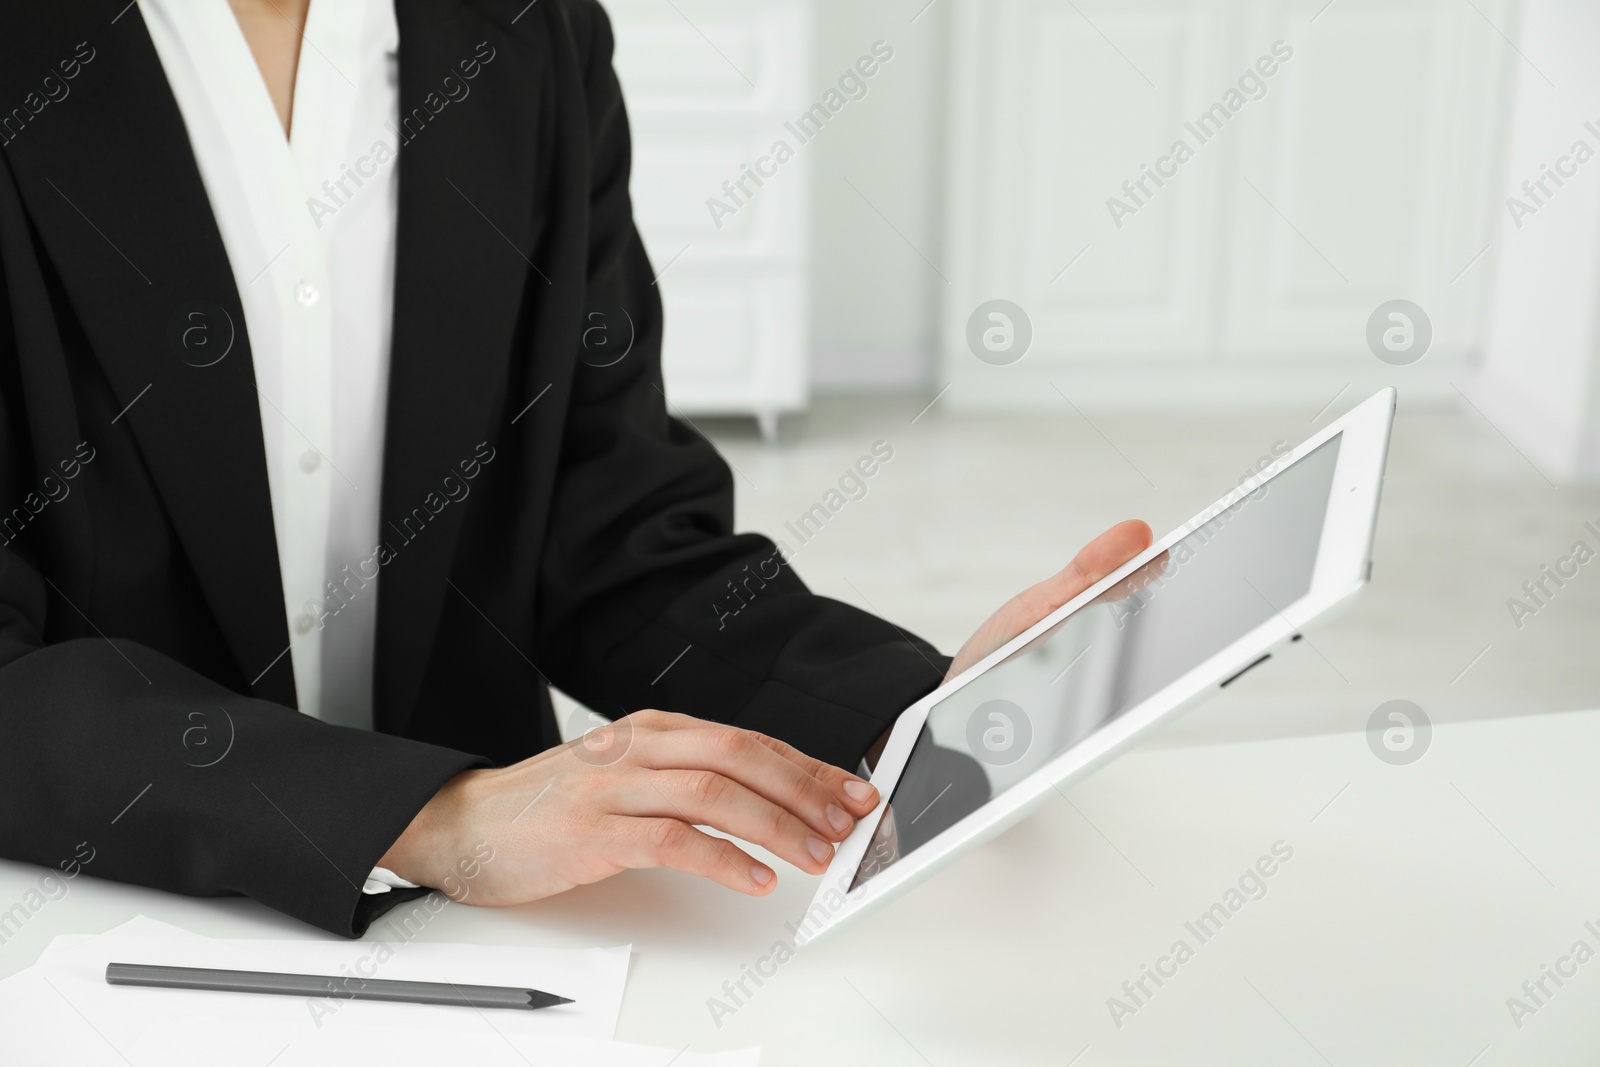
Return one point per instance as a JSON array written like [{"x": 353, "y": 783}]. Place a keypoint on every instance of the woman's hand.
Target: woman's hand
[
  {"x": 1097, "y": 559},
  {"x": 630, "y": 795}
]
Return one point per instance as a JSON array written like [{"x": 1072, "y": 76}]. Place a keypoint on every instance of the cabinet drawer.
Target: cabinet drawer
[{"x": 679, "y": 196}]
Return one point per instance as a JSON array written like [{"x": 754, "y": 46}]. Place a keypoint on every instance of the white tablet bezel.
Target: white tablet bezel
[{"x": 1342, "y": 567}]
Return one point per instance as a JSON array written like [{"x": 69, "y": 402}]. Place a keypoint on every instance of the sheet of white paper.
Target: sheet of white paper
[
  {"x": 486, "y": 1048},
  {"x": 37, "y": 1019},
  {"x": 66, "y": 993}
]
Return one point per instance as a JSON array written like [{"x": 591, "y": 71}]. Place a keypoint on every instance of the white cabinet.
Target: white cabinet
[
  {"x": 710, "y": 87},
  {"x": 1056, "y": 123},
  {"x": 1332, "y": 158},
  {"x": 1382, "y": 150}
]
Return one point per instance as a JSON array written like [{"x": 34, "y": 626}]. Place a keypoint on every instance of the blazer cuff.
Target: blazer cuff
[
  {"x": 382, "y": 879},
  {"x": 843, "y": 734},
  {"x": 892, "y": 693}
]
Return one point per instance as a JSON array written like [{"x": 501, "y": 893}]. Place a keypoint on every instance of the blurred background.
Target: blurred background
[{"x": 1074, "y": 261}]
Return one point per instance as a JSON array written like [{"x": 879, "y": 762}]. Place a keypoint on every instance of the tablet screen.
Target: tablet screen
[{"x": 1212, "y": 587}]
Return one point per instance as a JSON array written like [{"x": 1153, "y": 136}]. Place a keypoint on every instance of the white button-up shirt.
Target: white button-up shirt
[{"x": 308, "y": 222}]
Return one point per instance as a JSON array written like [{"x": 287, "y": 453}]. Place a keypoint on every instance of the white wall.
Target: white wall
[{"x": 1541, "y": 377}]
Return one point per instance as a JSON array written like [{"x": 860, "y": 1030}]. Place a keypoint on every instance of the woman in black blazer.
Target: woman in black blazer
[{"x": 147, "y": 708}]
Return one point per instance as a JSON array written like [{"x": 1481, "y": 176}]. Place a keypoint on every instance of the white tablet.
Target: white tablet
[{"x": 1213, "y": 599}]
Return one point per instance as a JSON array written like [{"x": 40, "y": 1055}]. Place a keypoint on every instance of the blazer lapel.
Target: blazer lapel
[
  {"x": 111, "y": 184},
  {"x": 469, "y": 225}
]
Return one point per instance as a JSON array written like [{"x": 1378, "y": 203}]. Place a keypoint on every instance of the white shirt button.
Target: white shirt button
[
  {"x": 310, "y": 460},
  {"x": 306, "y": 294},
  {"x": 303, "y": 622}
]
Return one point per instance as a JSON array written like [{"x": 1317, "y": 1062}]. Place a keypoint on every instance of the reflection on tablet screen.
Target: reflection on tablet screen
[{"x": 1223, "y": 580}]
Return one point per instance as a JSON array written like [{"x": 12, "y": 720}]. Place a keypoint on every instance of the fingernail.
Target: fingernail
[
  {"x": 838, "y": 819},
  {"x": 760, "y": 875},
  {"x": 858, "y": 791},
  {"x": 820, "y": 850}
]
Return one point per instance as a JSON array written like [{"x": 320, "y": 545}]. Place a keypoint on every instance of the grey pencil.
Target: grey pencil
[{"x": 321, "y": 985}]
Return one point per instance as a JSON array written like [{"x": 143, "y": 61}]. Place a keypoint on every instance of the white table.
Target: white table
[{"x": 1415, "y": 904}]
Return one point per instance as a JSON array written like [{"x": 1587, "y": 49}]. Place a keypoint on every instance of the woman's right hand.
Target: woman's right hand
[{"x": 628, "y": 795}]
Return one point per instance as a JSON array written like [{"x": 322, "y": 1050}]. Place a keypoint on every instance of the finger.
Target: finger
[
  {"x": 1103, "y": 555},
  {"x": 1093, "y": 562},
  {"x": 773, "y": 774},
  {"x": 706, "y": 798},
  {"x": 658, "y": 842},
  {"x": 858, "y": 795}
]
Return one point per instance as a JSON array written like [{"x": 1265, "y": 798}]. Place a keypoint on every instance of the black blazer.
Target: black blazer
[{"x": 146, "y": 697}]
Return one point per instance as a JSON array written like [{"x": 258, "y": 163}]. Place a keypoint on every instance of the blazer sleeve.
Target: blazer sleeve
[
  {"x": 648, "y": 598},
  {"x": 105, "y": 750},
  {"x": 118, "y": 761}
]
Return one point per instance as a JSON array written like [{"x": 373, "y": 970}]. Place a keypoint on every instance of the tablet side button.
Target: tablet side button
[{"x": 1235, "y": 677}]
